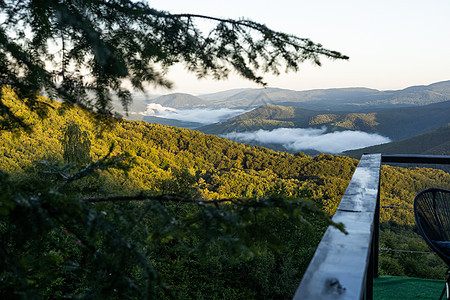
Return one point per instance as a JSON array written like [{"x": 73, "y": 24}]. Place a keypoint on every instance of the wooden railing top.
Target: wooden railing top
[{"x": 338, "y": 269}]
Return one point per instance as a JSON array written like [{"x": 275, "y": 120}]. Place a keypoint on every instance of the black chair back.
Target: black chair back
[{"x": 432, "y": 214}]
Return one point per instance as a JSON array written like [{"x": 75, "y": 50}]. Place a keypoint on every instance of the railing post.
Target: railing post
[
  {"x": 372, "y": 271},
  {"x": 376, "y": 235}
]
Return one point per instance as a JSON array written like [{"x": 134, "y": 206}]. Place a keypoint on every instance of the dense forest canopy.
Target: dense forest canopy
[{"x": 271, "y": 233}]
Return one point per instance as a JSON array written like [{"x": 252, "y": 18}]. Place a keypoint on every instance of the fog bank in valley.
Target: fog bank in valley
[
  {"x": 292, "y": 139},
  {"x": 199, "y": 115},
  {"x": 300, "y": 139}
]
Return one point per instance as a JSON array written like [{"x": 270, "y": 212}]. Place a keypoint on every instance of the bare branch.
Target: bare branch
[{"x": 163, "y": 198}]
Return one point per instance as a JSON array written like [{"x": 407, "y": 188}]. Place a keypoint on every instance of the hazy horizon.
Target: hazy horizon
[
  {"x": 169, "y": 92},
  {"x": 391, "y": 44}
]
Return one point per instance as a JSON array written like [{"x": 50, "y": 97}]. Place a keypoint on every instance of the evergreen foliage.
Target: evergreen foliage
[
  {"x": 76, "y": 145},
  {"x": 67, "y": 48}
]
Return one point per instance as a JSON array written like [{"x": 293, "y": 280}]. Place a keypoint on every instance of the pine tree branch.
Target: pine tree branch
[
  {"x": 121, "y": 40},
  {"x": 288, "y": 39}
]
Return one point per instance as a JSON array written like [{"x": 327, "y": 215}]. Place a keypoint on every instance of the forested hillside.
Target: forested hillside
[
  {"x": 223, "y": 168},
  {"x": 169, "y": 159}
]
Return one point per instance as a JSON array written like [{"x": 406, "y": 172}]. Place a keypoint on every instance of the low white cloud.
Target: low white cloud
[
  {"x": 155, "y": 108},
  {"x": 199, "y": 115},
  {"x": 299, "y": 139}
]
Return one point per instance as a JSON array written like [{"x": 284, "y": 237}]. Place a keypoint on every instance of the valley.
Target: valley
[{"x": 390, "y": 116}]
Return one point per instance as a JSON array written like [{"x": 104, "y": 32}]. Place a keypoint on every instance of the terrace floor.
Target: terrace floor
[{"x": 394, "y": 287}]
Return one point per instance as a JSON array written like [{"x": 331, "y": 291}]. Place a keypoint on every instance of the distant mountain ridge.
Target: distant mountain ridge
[
  {"x": 355, "y": 99},
  {"x": 277, "y": 96},
  {"x": 369, "y": 98},
  {"x": 179, "y": 100},
  {"x": 213, "y": 97}
]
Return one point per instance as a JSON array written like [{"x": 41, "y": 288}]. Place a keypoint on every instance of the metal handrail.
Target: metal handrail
[{"x": 415, "y": 159}]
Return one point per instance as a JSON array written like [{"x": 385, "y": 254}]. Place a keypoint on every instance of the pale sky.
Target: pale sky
[{"x": 392, "y": 44}]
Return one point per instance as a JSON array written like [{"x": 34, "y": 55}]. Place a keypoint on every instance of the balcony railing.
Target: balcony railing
[{"x": 344, "y": 265}]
